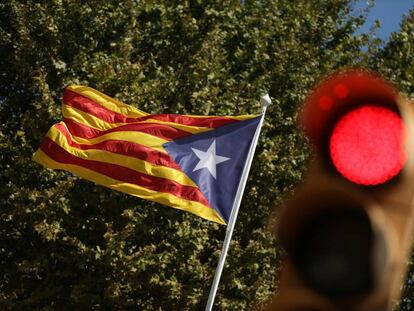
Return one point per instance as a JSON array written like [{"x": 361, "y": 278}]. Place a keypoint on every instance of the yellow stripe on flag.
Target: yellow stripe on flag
[
  {"x": 107, "y": 102},
  {"x": 85, "y": 118},
  {"x": 144, "y": 193},
  {"x": 136, "y": 137},
  {"x": 119, "y": 159}
]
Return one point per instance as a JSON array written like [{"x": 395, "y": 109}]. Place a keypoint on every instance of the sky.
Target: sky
[{"x": 389, "y": 12}]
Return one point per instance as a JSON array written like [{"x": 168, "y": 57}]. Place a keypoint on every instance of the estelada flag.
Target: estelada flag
[{"x": 193, "y": 163}]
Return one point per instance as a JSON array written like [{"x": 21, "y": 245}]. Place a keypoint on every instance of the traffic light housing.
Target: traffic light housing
[{"x": 347, "y": 229}]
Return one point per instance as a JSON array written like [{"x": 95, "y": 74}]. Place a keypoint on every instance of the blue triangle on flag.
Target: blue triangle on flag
[{"x": 215, "y": 159}]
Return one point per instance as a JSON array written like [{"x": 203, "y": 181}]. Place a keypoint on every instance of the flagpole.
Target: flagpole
[{"x": 265, "y": 102}]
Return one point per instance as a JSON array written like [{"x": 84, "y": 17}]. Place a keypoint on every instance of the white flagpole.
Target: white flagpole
[{"x": 265, "y": 101}]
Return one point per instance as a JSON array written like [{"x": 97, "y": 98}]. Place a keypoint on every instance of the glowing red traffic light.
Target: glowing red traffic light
[{"x": 367, "y": 145}]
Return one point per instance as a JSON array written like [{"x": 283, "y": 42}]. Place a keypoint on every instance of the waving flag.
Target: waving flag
[{"x": 192, "y": 163}]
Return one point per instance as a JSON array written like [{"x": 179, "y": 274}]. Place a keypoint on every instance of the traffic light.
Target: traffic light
[{"x": 346, "y": 230}]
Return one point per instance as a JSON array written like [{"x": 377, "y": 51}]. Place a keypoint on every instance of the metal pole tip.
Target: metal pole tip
[{"x": 265, "y": 100}]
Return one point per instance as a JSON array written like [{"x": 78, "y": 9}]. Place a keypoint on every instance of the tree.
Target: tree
[{"x": 66, "y": 243}]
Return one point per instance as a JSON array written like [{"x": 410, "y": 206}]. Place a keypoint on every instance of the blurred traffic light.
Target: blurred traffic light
[{"x": 347, "y": 228}]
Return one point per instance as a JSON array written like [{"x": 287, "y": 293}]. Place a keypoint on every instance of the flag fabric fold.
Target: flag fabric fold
[{"x": 192, "y": 163}]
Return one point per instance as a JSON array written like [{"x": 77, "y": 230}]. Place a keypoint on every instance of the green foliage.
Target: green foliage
[{"x": 66, "y": 243}]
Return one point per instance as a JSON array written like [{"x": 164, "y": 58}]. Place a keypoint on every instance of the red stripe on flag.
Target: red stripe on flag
[
  {"x": 210, "y": 122},
  {"x": 158, "y": 130},
  {"x": 89, "y": 106},
  {"x": 124, "y": 174},
  {"x": 125, "y": 148}
]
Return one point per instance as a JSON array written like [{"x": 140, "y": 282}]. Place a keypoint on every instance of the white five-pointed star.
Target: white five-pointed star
[{"x": 209, "y": 159}]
